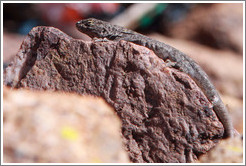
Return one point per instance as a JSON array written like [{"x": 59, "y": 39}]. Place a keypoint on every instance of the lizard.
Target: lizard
[{"x": 95, "y": 28}]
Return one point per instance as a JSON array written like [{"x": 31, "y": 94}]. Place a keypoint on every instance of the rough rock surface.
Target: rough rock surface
[
  {"x": 58, "y": 127},
  {"x": 224, "y": 68},
  {"x": 165, "y": 116}
]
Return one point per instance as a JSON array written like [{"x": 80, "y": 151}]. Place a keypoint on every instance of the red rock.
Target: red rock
[
  {"x": 165, "y": 116},
  {"x": 224, "y": 68}
]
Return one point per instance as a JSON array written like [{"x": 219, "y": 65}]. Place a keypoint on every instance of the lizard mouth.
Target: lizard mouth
[{"x": 78, "y": 24}]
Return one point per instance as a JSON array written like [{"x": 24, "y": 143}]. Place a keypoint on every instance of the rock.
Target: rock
[
  {"x": 224, "y": 68},
  {"x": 165, "y": 116},
  {"x": 219, "y": 25},
  {"x": 229, "y": 150},
  {"x": 57, "y": 127}
]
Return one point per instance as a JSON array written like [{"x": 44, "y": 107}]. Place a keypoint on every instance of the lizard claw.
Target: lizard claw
[
  {"x": 100, "y": 39},
  {"x": 170, "y": 63}
]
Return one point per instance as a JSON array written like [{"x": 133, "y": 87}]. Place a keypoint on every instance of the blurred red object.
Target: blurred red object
[{"x": 69, "y": 14}]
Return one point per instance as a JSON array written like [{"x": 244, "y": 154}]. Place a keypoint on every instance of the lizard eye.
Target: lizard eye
[{"x": 88, "y": 23}]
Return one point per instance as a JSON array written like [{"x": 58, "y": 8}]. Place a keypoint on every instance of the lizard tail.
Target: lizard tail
[{"x": 223, "y": 115}]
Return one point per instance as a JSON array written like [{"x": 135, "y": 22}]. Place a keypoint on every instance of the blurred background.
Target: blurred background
[
  {"x": 219, "y": 26},
  {"x": 210, "y": 33}
]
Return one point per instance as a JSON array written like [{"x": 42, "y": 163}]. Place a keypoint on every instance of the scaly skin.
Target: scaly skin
[{"x": 101, "y": 29}]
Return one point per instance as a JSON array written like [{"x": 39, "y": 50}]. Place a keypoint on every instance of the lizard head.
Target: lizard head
[{"x": 98, "y": 28}]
